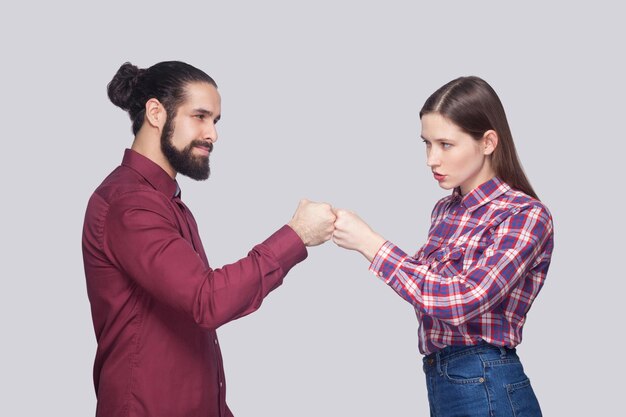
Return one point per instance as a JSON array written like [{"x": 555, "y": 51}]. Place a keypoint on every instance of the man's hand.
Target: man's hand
[
  {"x": 313, "y": 222},
  {"x": 353, "y": 233}
]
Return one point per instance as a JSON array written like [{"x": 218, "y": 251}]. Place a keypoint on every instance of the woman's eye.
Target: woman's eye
[{"x": 446, "y": 145}]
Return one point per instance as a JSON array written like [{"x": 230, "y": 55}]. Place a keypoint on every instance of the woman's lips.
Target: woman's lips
[{"x": 439, "y": 177}]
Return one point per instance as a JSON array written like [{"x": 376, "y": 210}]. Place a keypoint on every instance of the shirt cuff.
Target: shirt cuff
[
  {"x": 387, "y": 261},
  {"x": 287, "y": 246}
]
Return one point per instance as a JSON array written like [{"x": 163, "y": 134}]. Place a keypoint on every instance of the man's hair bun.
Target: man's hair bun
[{"x": 121, "y": 87}]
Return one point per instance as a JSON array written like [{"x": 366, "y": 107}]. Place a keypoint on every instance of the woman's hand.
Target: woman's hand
[{"x": 351, "y": 232}]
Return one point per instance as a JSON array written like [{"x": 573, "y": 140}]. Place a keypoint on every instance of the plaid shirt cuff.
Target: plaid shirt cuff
[{"x": 387, "y": 261}]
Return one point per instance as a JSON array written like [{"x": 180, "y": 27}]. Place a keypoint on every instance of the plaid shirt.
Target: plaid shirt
[{"x": 476, "y": 277}]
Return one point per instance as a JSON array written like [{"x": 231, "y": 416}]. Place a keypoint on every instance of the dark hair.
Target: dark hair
[
  {"x": 132, "y": 87},
  {"x": 471, "y": 104}
]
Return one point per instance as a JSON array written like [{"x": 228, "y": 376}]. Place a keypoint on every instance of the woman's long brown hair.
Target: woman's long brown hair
[{"x": 471, "y": 104}]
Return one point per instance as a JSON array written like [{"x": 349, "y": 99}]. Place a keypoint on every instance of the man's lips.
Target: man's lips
[
  {"x": 204, "y": 147},
  {"x": 439, "y": 177}
]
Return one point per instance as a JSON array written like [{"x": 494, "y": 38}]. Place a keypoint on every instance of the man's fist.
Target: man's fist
[{"x": 313, "y": 222}]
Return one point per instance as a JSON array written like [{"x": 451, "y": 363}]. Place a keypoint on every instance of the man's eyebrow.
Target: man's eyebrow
[{"x": 203, "y": 111}]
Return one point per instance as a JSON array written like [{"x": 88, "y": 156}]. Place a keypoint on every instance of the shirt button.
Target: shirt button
[
  {"x": 431, "y": 361},
  {"x": 380, "y": 274},
  {"x": 221, "y": 384},
  {"x": 215, "y": 341}
]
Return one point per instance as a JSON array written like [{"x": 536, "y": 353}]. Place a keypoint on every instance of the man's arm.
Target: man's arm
[{"x": 143, "y": 240}]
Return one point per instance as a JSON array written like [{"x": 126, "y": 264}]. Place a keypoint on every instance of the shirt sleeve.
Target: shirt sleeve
[
  {"x": 142, "y": 239},
  {"x": 518, "y": 244}
]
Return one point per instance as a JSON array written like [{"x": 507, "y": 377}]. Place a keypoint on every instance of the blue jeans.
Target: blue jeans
[{"x": 481, "y": 380}]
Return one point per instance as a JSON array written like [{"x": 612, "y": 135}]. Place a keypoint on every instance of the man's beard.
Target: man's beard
[{"x": 185, "y": 162}]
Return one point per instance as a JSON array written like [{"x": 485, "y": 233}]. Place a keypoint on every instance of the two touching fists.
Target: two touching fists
[{"x": 316, "y": 223}]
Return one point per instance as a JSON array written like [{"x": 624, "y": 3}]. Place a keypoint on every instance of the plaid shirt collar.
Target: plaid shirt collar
[{"x": 481, "y": 195}]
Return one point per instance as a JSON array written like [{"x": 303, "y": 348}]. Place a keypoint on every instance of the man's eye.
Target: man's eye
[{"x": 199, "y": 116}]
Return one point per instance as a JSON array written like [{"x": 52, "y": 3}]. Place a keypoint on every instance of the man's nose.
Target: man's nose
[{"x": 211, "y": 133}]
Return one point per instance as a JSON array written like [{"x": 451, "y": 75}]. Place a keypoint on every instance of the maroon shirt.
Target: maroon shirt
[{"x": 156, "y": 302}]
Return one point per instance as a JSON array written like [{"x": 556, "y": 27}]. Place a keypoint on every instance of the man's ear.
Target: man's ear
[
  {"x": 155, "y": 113},
  {"x": 490, "y": 142}
]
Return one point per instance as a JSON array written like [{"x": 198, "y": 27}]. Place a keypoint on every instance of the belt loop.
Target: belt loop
[
  {"x": 438, "y": 354},
  {"x": 502, "y": 352}
]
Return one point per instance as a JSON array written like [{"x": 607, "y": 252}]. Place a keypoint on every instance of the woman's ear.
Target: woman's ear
[{"x": 490, "y": 142}]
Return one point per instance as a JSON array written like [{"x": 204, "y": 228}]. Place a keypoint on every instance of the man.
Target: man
[{"x": 155, "y": 300}]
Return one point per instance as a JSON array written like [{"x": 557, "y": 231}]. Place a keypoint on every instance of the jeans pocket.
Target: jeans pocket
[
  {"x": 523, "y": 400},
  {"x": 468, "y": 369}
]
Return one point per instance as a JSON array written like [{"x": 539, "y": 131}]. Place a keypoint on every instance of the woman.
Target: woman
[{"x": 485, "y": 260}]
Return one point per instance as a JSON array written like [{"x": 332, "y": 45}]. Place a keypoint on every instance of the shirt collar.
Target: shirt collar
[
  {"x": 483, "y": 194},
  {"x": 154, "y": 174}
]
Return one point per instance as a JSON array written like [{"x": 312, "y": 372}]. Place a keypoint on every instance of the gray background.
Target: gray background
[{"x": 320, "y": 100}]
